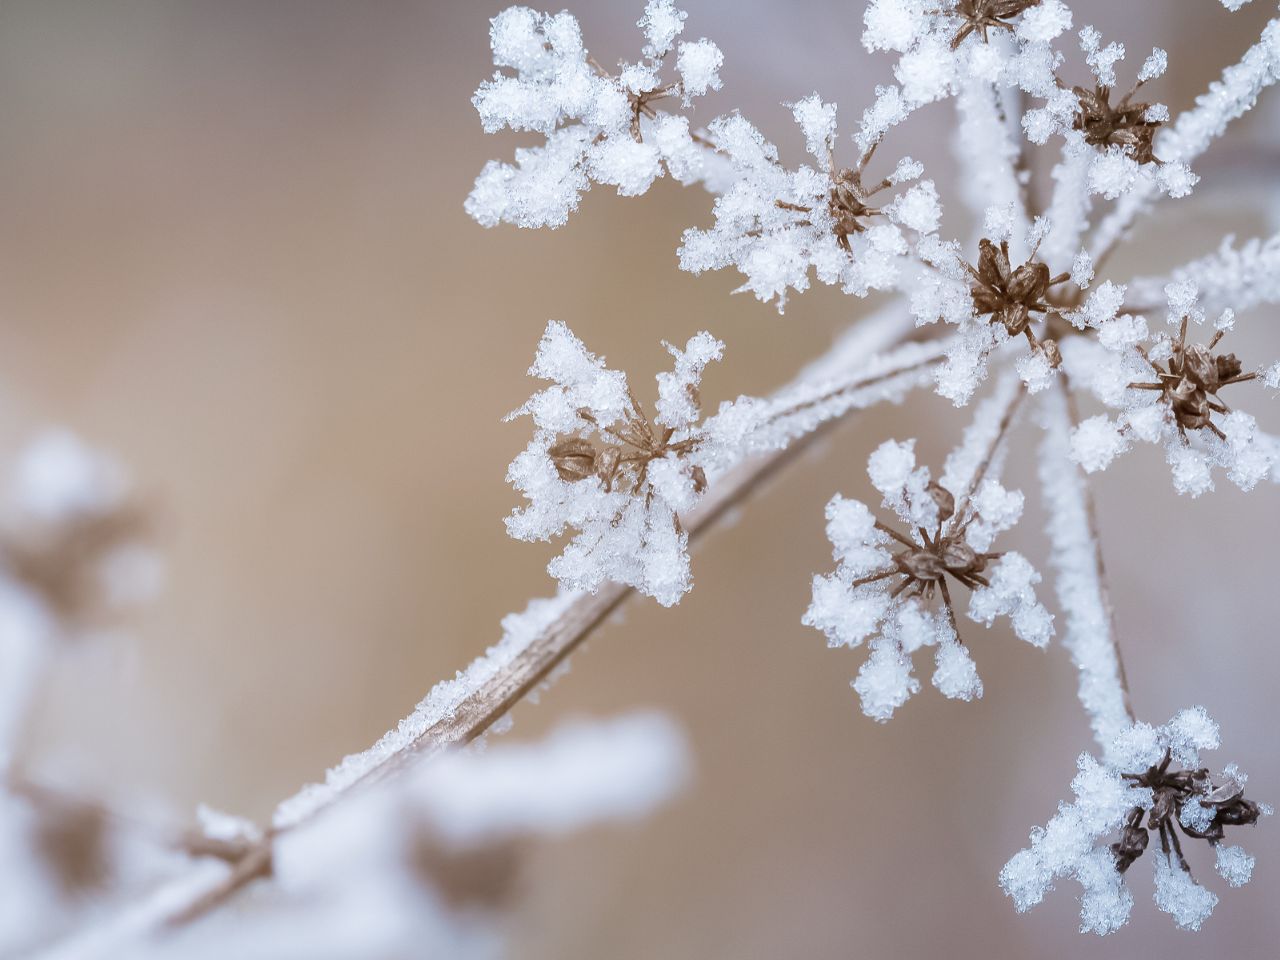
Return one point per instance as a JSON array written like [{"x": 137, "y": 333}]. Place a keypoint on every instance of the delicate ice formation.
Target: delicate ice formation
[{"x": 599, "y": 127}]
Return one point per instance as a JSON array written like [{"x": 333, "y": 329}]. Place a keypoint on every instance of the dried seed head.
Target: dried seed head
[
  {"x": 923, "y": 565},
  {"x": 1172, "y": 791},
  {"x": 574, "y": 459},
  {"x": 979, "y": 16},
  {"x": 1011, "y": 296},
  {"x": 959, "y": 557},
  {"x": 1190, "y": 380},
  {"x": 1125, "y": 125},
  {"x": 847, "y": 206},
  {"x": 944, "y": 498}
]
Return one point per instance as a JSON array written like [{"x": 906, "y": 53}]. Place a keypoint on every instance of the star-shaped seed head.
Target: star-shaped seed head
[
  {"x": 1127, "y": 124},
  {"x": 1190, "y": 379},
  {"x": 979, "y": 16}
]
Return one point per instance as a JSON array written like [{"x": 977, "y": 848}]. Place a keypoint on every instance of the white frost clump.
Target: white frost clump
[
  {"x": 779, "y": 226},
  {"x": 597, "y": 464},
  {"x": 885, "y": 579},
  {"x": 1152, "y": 782},
  {"x": 582, "y": 773},
  {"x": 598, "y": 128}
]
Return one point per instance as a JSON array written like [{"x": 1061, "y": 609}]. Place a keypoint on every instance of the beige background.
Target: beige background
[{"x": 232, "y": 250}]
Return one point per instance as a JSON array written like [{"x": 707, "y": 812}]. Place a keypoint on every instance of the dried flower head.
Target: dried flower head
[
  {"x": 599, "y": 463},
  {"x": 1189, "y": 381},
  {"x": 979, "y": 16},
  {"x": 1011, "y": 296},
  {"x": 1173, "y": 793},
  {"x": 887, "y": 579},
  {"x": 1186, "y": 800},
  {"x": 1127, "y": 124}
]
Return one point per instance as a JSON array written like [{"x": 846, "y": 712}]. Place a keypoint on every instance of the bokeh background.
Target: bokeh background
[{"x": 233, "y": 251}]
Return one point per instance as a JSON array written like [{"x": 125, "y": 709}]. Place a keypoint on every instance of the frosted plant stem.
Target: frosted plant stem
[
  {"x": 1240, "y": 277},
  {"x": 1006, "y": 402},
  {"x": 1076, "y": 557},
  {"x": 211, "y": 882},
  {"x": 990, "y": 155}
]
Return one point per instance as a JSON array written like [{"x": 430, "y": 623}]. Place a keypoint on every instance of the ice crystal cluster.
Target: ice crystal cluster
[{"x": 1020, "y": 311}]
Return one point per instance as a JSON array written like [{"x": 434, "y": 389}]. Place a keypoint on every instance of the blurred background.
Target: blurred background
[{"x": 233, "y": 252}]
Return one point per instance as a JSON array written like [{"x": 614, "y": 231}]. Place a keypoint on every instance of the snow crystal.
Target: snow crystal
[
  {"x": 1097, "y": 441},
  {"x": 1234, "y": 865},
  {"x": 1154, "y": 67},
  {"x": 884, "y": 681},
  {"x": 1178, "y": 895},
  {"x": 699, "y": 67},
  {"x": 661, "y": 24},
  {"x": 956, "y": 675}
]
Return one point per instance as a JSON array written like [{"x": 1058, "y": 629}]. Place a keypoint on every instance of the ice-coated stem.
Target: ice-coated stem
[
  {"x": 1080, "y": 582},
  {"x": 979, "y": 452},
  {"x": 990, "y": 155}
]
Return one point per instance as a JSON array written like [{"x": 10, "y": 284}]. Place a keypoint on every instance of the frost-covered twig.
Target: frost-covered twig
[
  {"x": 1235, "y": 277},
  {"x": 430, "y": 855},
  {"x": 1080, "y": 578}
]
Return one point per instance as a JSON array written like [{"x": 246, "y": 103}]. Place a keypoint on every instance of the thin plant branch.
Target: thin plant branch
[{"x": 1076, "y": 555}]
